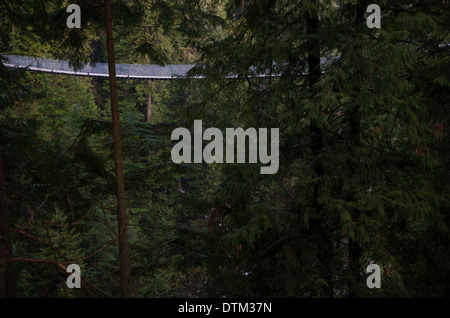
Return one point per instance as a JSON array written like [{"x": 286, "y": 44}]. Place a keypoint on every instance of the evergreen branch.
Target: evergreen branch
[
  {"x": 151, "y": 250},
  {"x": 282, "y": 239},
  {"x": 59, "y": 264},
  {"x": 154, "y": 261}
]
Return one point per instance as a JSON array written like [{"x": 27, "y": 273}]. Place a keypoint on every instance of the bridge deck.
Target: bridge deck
[
  {"x": 131, "y": 71},
  {"x": 124, "y": 71}
]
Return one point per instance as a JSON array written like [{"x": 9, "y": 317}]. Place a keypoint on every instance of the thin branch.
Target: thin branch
[
  {"x": 80, "y": 219},
  {"x": 152, "y": 262},
  {"x": 151, "y": 250},
  {"x": 282, "y": 239},
  {"x": 34, "y": 211}
]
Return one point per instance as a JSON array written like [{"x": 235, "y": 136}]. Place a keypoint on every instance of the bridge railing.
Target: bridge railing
[{"x": 132, "y": 71}]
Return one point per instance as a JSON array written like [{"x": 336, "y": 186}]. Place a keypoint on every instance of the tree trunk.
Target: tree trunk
[
  {"x": 7, "y": 284},
  {"x": 354, "y": 247},
  {"x": 120, "y": 184},
  {"x": 149, "y": 103},
  {"x": 325, "y": 246}
]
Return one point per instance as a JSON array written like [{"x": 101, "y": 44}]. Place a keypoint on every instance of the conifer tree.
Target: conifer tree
[{"x": 353, "y": 148}]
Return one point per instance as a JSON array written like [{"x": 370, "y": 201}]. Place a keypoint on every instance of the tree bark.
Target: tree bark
[
  {"x": 7, "y": 283},
  {"x": 149, "y": 102},
  {"x": 325, "y": 244},
  {"x": 354, "y": 247},
  {"x": 120, "y": 183}
]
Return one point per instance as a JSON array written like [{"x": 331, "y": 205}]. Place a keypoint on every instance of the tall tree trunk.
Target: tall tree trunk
[
  {"x": 120, "y": 184},
  {"x": 149, "y": 102},
  {"x": 355, "y": 248},
  {"x": 7, "y": 284},
  {"x": 325, "y": 247}
]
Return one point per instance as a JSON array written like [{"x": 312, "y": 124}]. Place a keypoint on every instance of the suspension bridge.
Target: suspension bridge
[
  {"x": 123, "y": 71},
  {"x": 128, "y": 71}
]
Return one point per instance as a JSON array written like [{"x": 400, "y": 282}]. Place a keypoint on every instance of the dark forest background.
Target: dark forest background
[{"x": 364, "y": 151}]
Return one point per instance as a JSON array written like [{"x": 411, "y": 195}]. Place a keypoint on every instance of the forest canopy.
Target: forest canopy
[{"x": 361, "y": 115}]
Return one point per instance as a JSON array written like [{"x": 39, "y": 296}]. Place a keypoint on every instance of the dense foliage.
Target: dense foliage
[{"x": 364, "y": 150}]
